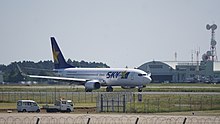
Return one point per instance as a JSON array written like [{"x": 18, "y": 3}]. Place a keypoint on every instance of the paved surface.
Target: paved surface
[{"x": 152, "y": 93}]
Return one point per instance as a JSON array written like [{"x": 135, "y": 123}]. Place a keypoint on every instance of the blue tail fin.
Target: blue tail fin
[{"x": 59, "y": 61}]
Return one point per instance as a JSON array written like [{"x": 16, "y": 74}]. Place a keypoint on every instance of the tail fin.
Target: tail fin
[{"x": 59, "y": 61}]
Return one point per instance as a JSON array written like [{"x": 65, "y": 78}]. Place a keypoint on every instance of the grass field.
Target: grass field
[
  {"x": 154, "y": 87},
  {"x": 152, "y": 103}
]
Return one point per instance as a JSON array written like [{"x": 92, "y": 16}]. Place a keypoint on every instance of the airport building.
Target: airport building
[
  {"x": 177, "y": 71},
  {"x": 206, "y": 70}
]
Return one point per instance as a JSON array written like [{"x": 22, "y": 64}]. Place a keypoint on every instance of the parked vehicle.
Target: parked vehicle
[
  {"x": 27, "y": 106},
  {"x": 60, "y": 106}
]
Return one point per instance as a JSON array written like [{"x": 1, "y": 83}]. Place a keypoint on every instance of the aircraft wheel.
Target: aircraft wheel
[
  {"x": 88, "y": 90},
  {"x": 139, "y": 89},
  {"x": 109, "y": 89}
]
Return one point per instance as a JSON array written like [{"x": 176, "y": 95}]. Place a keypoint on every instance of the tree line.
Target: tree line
[{"x": 12, "y": 74}]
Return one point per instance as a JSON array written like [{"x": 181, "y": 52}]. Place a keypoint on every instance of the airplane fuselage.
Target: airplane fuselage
[
  {"x": 108, "y": 76},
  {"x": 94, "y": 78}
]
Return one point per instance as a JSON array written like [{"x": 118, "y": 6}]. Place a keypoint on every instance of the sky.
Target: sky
[{"x": 116, "y": 32}]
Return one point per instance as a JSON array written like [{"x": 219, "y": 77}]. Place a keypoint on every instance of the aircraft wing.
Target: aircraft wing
[
  {"x": 58, "y": 78},
  {"x": 52, "y": 77}
]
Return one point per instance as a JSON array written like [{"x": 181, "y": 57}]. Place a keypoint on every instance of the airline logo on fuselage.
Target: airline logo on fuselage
[{"x": 117, "y": 74}]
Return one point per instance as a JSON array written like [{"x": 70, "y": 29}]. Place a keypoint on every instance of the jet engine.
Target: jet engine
[{"x": 92, "y": 85}]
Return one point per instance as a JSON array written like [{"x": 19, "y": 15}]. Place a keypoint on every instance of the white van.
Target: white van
[{"x": 27, "y": 106}]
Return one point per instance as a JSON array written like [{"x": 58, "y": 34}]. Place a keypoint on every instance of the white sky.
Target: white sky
[{"x": 117, "y": 32}]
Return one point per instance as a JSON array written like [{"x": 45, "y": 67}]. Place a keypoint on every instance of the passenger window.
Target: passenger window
[
  {"x": 63, "y": 102},
  {"x": 139, "y": 74}
]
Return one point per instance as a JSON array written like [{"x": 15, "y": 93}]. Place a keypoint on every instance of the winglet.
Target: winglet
[{"x": 22, "y": 73}]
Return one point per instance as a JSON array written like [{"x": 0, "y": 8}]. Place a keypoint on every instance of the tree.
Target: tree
[{"x": 12, "y": 74}]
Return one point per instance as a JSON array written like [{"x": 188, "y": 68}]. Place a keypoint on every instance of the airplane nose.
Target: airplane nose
[{"x": 148, "y": 79}]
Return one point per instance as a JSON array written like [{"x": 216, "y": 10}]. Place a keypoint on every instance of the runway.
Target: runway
[
  {"x": 96, "y": 93},
  {"x": 180, "y": 93}
]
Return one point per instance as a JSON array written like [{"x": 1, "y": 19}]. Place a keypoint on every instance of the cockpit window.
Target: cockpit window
[{"x": 141, "y": 74}]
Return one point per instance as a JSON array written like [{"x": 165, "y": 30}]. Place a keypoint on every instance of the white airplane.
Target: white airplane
[{"x": 94, "y": 78}]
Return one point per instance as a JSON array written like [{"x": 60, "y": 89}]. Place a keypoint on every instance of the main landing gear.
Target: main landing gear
[
  {"x": 88, "y": 90},
  {"x": 140, "y": 94},
  {"x": 139, "y": 89},
  {"x": 109, "y": 89}
]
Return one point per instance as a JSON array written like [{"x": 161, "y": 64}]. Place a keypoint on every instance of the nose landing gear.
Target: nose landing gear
[
  {"x": 139, "y": 89},
  {"x": 140, "y": 94}
]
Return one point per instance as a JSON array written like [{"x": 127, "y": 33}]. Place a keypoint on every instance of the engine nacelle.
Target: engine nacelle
[
  {"x": 92, "y": 85},
  {"x": 127, "y": 87}
]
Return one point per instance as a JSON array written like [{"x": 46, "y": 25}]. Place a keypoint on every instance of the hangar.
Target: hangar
[
  {"x": 206, "y": 70},
  {"x": 160, "y": 71},
  {"x": 183, "y": 71}
]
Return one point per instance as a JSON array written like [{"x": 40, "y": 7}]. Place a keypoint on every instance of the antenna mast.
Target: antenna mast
[{"x": 213, "y": 42}]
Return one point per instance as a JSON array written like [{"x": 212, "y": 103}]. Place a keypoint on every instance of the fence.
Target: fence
[
  {"x": 150, "y": 102},
  {"x": 173, "y": 103},
  {"x": 113, "y": 102},
  {"x": 87, "y": 119},
  {"x": 49, "y": 97}
]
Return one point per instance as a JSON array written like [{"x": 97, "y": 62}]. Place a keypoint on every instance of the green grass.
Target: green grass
[
  {"x": 151, "y": 103},
  {"x": 7, "y": 105},
  {"x": 153, "y": 87},
  {"x": 174, "y": 103},
  {"x": 196, "y": 113}
]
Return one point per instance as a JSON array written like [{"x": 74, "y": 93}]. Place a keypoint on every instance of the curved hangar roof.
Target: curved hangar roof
[{"x": 157, "y": 67}]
